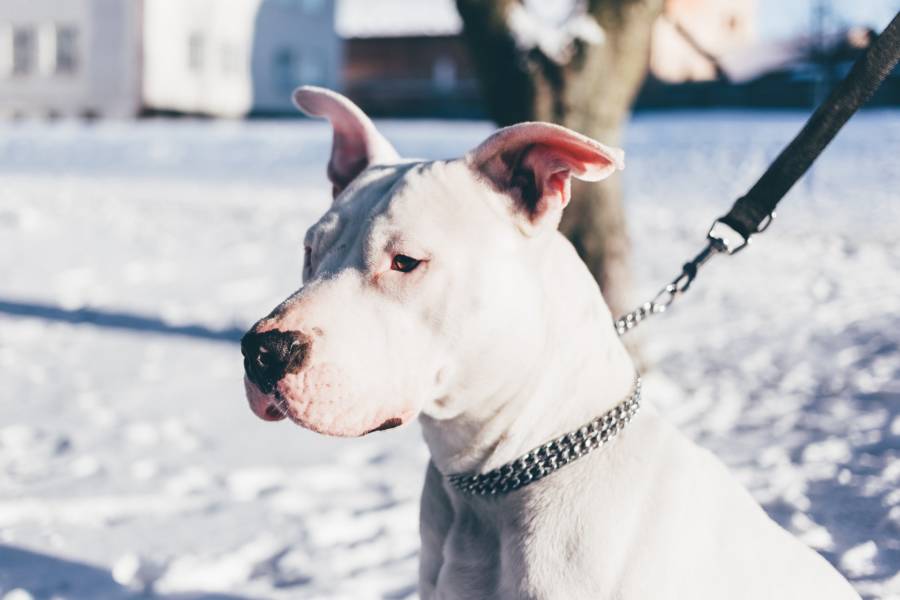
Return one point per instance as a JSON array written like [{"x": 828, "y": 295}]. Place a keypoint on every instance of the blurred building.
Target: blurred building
[
  {"x": 233, "y": 58},
  {"x": 70, "y": 57},
  {"x": 407, "y": 58},
  {"x": 237, "y": 57},
  {"x": 121, "y": 57},
  {"x": 693, "y": 36}
]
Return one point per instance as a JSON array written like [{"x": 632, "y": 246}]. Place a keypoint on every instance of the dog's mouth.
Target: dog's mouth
[
  {"x": 388, "y": 424},
  {"x": 275, "y": 406},
  {"x": 268, "y": 407},
  {"x": 278, "y": 409}
]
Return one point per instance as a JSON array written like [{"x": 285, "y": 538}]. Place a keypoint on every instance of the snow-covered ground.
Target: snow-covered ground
[{"x": 132, "y": 255}]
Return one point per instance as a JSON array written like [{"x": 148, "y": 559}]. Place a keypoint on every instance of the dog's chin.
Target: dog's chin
[
  {"x": 319, "y": 414},
  {"x": 334, "y": 416},
  {"x": 349, "y": 431},
  {"x": 348, "y": 428}
]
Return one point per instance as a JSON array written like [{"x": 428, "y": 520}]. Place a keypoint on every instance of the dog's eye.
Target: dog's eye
[{"x": 404, "y": 263}]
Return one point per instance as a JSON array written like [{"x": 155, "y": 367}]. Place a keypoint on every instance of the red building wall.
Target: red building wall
[{"x": 411, "y": 76}]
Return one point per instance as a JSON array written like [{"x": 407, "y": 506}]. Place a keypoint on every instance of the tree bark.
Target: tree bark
[{"x": 591, "y": 94}]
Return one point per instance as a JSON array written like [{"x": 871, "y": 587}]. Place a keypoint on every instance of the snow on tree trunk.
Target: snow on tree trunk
[{"x": 583, "y": 71}]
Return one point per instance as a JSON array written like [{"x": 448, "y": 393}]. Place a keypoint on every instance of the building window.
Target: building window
[
  {"x": 196, "y": 51},
  {"x": 284, "y": 69},
  {"x": 292, "y": 68},
  {"x": 66, "y": 50},
  {"x": 56, "y": 50},
  {"x": 443, "y": 73},
  {"x": 312, "y": 69},
  {"x": 733, "y": 23},
  {"x": 23, "y": 48}
]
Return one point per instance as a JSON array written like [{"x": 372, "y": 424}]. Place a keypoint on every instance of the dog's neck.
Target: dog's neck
[{"x": 584, "y": 372}]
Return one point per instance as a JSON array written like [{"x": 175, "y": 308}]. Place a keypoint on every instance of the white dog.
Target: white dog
[{"x": 442, "y": 289}]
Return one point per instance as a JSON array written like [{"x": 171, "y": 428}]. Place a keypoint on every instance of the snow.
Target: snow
[
  {"x": 553, "y": 28},
  {"x": 397, "y": 18},
  {"x": 134, "y": 254},
  {"x": 858, "y": 561}
]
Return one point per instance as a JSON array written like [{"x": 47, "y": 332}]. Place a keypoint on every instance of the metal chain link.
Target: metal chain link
[
  {"x": 659, "y": 304},
  {"x": 717, "y": 242},
  {"x": 553, "y": 455}
]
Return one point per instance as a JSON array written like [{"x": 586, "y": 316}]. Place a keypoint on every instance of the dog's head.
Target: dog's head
[{"x": 419, "y": 282}]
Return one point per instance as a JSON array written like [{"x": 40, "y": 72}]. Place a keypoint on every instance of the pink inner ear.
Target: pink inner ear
[
  {"x": 553, "y": 167},
  {"x": 349, "y": 156},
  {"x": 356, "y": 143},
  {"x": 551, "y": 171},
  {"x": 560, "y": 184},
  {"x": 535, "y": 161}
]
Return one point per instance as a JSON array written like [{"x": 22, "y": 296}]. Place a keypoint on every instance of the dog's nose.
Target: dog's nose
[{"x": 271, "y": 355}]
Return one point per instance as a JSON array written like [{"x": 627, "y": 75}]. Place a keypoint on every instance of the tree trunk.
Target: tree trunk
[{"x": 591, "y": 94}]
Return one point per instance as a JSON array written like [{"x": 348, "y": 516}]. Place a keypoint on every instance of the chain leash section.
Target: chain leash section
[{"x": 721, "y": 238}]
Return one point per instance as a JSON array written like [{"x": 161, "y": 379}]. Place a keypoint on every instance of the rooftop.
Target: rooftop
[{"x": 397, "y": 18}]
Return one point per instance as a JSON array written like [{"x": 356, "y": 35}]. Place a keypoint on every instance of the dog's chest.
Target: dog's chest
[{"x": 511, "y": 550}]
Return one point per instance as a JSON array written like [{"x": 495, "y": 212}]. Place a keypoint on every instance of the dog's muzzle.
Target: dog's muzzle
[{"x": 271, "y": 355}]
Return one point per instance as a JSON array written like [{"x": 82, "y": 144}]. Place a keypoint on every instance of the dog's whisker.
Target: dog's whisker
[{"x": 281, "y": 404}]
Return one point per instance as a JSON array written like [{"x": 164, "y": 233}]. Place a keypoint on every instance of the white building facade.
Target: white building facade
[
  {"x": 70, "y": 58},
  {"x": 117, "y": 58},
  {"x": 236, "y": 57}
]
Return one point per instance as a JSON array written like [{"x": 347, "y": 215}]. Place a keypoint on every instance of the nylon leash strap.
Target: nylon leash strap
[{"x": 754, "y": 212}]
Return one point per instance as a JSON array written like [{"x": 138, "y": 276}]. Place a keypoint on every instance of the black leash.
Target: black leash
[{"x": 754, "y": 212}]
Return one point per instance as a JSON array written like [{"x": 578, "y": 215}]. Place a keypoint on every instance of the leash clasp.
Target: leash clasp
[
  {"x": 721, "y": 238},
  {"x": 728, "y": 239}
]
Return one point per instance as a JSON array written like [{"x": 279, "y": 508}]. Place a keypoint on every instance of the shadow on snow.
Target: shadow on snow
[
  {"x": 47, "y": 576},
  {"x": 116, "y": 320}
]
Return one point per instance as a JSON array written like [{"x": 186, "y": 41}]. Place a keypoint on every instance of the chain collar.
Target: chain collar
[{"x": 553, "y": 455}]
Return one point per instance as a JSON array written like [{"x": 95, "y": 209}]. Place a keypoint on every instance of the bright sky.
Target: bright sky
[
  {"x": 783, "y": 18},
  {"x": 778, "y": 19}
]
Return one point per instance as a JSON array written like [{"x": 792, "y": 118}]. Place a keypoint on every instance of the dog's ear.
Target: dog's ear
[
  {"x": 356, "y": 143},
  {"x": 533, "y": 163}
]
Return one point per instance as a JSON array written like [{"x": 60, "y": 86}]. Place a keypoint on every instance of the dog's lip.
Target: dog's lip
[
  {"x": 265, "y": 406},
  {"x": 277, "y": 407},
  {"x": 274, "y": 412},
  {"x": 388, "y": 424}
]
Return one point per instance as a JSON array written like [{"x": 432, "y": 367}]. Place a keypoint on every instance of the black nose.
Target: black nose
[{"x": 271, "y": 355}]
